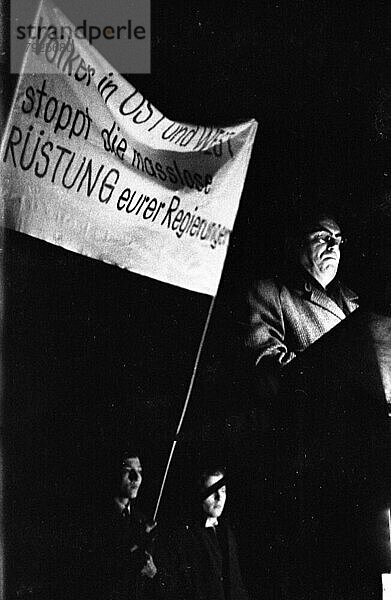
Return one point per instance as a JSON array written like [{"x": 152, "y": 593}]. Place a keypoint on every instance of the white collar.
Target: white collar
[
  {"x": 122, "y": 505},
  {"x": 211, "y": 522}
]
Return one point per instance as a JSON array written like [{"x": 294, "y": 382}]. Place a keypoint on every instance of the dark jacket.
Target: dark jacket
[
  {"x": 112, "y": 570},
  {"x": 288, "y": 314},
  {"x": 190, "y": 566}
]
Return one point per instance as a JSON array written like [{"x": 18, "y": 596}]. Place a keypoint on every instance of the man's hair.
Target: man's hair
[
  {"x": 312, "y": 221},
  {"x": 307, "y": 221},
  {"x": 300, "y": 225},
  {"x": 125, "y": 454},
  {"x": 209, "y": 472}
]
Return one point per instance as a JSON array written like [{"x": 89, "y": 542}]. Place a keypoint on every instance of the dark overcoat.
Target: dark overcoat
[
  {"x": 186, "y": 566},
  {"x": 112, "y": 571}
]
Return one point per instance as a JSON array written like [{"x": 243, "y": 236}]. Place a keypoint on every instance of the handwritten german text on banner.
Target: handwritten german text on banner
[{"x": 92, "y": 166}]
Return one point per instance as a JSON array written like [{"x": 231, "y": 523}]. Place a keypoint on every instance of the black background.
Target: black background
[{"x": 97, "y": 358}]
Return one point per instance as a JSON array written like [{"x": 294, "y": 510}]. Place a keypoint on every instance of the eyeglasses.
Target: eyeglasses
[{"x": 327, "y": 238}]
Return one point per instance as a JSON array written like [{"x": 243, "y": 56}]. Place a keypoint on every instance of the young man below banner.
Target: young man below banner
[
  {"x": 121, "y": 562},
  {"x": 199, "y": 560}
]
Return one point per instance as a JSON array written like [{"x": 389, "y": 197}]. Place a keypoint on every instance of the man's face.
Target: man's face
[
  {"x": 131, "y": 477},
  {"x": 213, "y": 505},
  {"x": 320, "y": 253}
]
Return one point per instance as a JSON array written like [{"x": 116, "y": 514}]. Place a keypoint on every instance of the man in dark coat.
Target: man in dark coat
[
  {"x": 199, "y": 561},
  {"x": 122, "y": 565},
  {"x": 291, "y": 311}
]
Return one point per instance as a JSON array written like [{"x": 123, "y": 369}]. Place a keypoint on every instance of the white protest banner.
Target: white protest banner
[{"x": 90, "y": 165}]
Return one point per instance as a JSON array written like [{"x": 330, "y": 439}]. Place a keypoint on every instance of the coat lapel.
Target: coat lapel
[
  {"x": 321, "y": 299},
  {"x": 351, "y": 299},
  {"x": 303, "y": 286}
]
